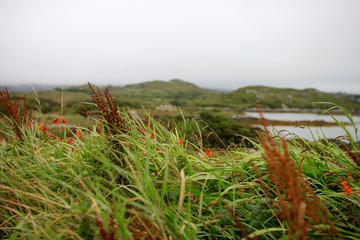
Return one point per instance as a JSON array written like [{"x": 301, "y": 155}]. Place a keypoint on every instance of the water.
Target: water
[
  {"x": 310, "y": 133},
  {"x": 303, "y": 117}
]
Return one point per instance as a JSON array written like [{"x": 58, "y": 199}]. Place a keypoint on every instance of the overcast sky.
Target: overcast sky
[{"x": 213, "y": 43}]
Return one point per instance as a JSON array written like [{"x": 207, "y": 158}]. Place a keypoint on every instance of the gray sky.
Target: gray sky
[{"x": 213, "y": 43}]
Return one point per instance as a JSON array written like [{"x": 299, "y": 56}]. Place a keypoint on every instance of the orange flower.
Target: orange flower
[
  {"x": 209, "y": 154},
  {"x": 344, "y": 183},
  {"x": 78, "y": 134},
  {"x": 35, "y": 148},
  {"x": 347, "y": 188},
  {"x": 49, "y": 134},
  {"x": 181, "y": 141},
  {"x": 87, "y": 113},
  {"x": 56, "y": 120},
  {"x": 42, "y": 127}
]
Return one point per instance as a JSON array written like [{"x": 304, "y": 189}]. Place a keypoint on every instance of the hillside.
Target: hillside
[
  {"x": 284, "y": 98},
  {"x": 184, "y": 94},
  {"x": 174, "y": 89}
]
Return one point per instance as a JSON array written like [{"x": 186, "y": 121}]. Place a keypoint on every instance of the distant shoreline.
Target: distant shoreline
[
  {"x": 298, "y": 110},
  {"x": 291, "y": 123}
]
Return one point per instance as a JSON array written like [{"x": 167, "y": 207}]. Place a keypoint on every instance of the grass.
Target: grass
[{"x": 167, "y": 187}]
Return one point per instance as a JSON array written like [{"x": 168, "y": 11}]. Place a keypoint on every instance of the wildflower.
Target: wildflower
[
  {"x": 42, "y": 128},
  {"x": 78, "y": 133},
  {"x": 35, "y": 148},
  {"x": 347, "y": 188},
  {"x": 70, "y": 140},
  {"x": 181, "y": 141},
  {"x": 209, "y": 154},
  {"x": 344, "y": 183},
  {"x": 56, "y": 120},
  {"x": 49, "y": 135},
  {"x": 87, "y": 113},
  {"x": 348, "y": 174}
]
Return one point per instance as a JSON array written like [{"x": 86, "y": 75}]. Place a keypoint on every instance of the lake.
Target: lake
[{"x": 309, "y": 133}]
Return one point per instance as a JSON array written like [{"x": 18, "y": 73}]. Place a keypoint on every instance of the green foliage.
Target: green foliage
[
  {"x": 222, "y": 131},
  {"x": 211, "y": 129},
  {"x": 52, "y": 189}
]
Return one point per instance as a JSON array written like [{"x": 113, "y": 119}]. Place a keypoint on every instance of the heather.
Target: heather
[{"x": 126, "y": 177}]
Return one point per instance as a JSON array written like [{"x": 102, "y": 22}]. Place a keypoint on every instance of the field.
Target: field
[{"x": 125, "y": 177}]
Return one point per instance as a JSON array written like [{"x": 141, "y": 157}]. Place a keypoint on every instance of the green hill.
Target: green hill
[
  {"x": 184, "y": 94},
  {"x": 269, "y": 97},
  {"x": 174, "y": 89},
  {"x": 153, "y": 93}
]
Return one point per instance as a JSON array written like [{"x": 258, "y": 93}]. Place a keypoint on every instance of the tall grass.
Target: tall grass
[{"x": 167, "y": 187}]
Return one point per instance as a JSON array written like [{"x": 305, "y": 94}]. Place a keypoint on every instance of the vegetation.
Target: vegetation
[
  {"x": 189, "y": 97},
  {"x": 132, "y": 178},
  {"x": 273, "y": 98},
  {"x": 215, "y": 130}
]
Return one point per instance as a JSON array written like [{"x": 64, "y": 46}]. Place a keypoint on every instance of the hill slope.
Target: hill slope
[
  {"x": 268, "y": 97},
  {"x": 181, "y": 93}
]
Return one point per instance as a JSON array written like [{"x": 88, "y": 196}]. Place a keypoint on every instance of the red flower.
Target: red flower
[
  {"x": 347, "y": 188},
  {"x": 70, "y": 140},
  {"x": 42, "y": 127},
  {"x": 348, "y": 175},
  {"x": 49, "y": 134},
  {"x": 35, "y": 148},
  {"x": 344, "y": 183},
  {"x": 181, "y": 141},
  {"x": 87, "y": 113},
  {"x": 209, "y": 154},
  {"x": 78, "y": 134},
  {"x": 56, "y": 120}
]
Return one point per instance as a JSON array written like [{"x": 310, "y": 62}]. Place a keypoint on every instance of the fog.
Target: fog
[{"x": 216, "y": 44}]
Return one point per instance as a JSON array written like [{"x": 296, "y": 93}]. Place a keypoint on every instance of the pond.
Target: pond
[{"x": 310, "y": 133}]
